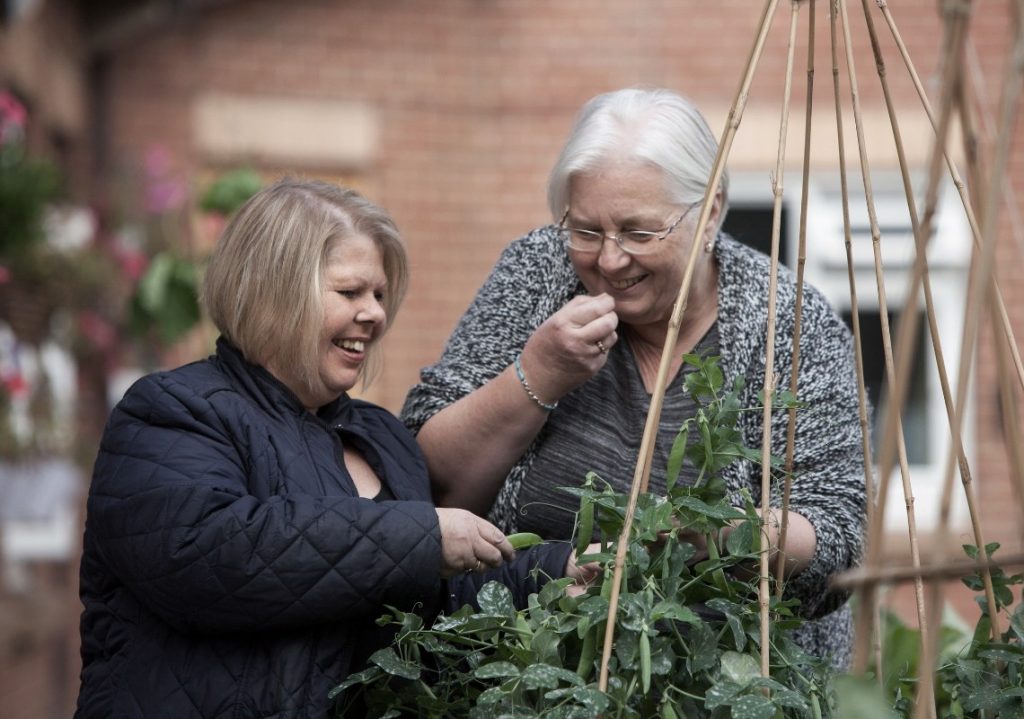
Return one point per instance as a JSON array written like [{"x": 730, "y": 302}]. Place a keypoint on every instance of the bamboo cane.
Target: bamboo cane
[
  {"x": 925, "y": 688},
  {"x": 794, "y": 375},
  {"x": 1009, "y": 195},
  {"x": 763, "y": 590},
  {"x": 943, "y": 569},
  {"x": 972, "y": 220},
  {"x": 955, "y": 29},
  {"x": 982, "y": 267},
  {"x": 868, "y": 600},
  {"x": 1003, "y": 352},
  {"x": 883, "y": 311},
  {"x": 642, "y": 473}
]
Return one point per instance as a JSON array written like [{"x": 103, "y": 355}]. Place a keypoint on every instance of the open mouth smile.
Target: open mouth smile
[
  {"x": 627, "y": 283},
  {"x": 358, "y": 346}
]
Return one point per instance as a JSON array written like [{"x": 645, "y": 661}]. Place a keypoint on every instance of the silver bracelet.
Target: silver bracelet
[{"x": 529, "y": 392}]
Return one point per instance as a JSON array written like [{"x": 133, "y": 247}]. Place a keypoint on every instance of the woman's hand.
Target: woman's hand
[
  {"x": 571, "y": 346},
  {"x": 583, "y": 574},
  {"x": 469, "y": 543}
]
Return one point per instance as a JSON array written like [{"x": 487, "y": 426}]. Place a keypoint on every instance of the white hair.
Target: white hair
[{"x": 654, "y": 126}]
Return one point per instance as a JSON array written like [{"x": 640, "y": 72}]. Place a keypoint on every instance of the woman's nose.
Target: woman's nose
[
  {"x": 612, "y": 255},
  {"x": 371, "y": 311}
]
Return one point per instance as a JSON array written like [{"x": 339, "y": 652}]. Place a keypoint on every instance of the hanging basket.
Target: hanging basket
[{"x": 27, "y": 309}]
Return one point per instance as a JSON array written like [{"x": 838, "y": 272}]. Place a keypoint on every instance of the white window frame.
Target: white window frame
[{"x": 825, "y": 268}]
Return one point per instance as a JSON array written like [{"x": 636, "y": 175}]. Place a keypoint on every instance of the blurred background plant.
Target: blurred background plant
[{"x": 107, "y": 291}]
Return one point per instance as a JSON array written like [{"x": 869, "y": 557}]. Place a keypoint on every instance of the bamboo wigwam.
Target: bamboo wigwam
[{"x": 984, "y": 291}]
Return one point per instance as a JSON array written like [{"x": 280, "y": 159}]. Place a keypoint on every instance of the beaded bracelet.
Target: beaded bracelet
[{"x": 529, "y": 392}]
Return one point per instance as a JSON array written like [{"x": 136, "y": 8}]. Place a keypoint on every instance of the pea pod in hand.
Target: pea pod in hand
[{"x": 522, "y": 540}]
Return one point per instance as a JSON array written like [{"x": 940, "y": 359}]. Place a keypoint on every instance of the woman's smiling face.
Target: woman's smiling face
[
  {"x": 354, "y": 284},
  {"x": 622, "y": 196}
]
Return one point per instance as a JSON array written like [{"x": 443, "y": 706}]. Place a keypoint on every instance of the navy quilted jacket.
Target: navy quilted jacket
[{"x": 229, "y": 568}]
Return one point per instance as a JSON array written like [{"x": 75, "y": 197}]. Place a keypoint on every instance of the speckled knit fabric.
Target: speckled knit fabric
[{"x": 534, "y": 278}]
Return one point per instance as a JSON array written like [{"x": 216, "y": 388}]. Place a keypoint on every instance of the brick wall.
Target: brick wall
[{"x": 473, "y": 100}]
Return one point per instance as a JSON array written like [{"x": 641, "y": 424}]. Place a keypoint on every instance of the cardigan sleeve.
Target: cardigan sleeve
[
  {"x": 172, "y": 517},
  {"x": 530, "y": 281},
  {"x": 828, "y": 465},
  {"x": 525, "y": 575}
]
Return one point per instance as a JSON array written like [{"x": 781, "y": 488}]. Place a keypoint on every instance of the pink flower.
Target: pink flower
[
  {"x": 133, "y": 263},
  {"x": 164, "y": 189},
  {"x": 15, "y": 384},
  {"x": 164, "y": 195},
  {"x": 100, "y": 333},
  {"x": 13, "y": 117}
]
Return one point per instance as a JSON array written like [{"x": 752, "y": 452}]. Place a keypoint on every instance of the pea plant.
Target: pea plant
[{"x": 686, "y": 631}]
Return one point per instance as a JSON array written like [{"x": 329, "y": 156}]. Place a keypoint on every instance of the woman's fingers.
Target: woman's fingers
[
  {"x": 469, "y": 543},
  {"x": 571, "y": 346}
]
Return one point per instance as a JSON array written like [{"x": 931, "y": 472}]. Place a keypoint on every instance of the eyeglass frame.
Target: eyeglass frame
[{"x": 617, "y": 238}]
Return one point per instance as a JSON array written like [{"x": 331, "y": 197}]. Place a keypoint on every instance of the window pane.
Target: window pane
[{"x": 915, "y": 414}]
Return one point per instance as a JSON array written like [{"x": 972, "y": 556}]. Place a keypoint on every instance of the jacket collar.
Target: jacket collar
[{"x": 271, "y": 393}]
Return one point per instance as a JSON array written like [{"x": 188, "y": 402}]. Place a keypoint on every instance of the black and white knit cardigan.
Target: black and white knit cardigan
[{"x": 534, "y": 278}]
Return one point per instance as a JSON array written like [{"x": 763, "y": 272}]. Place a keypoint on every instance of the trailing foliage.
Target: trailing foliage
[
  {"x": 977, "y": 675},
  {"x": 687, "y": 629}
]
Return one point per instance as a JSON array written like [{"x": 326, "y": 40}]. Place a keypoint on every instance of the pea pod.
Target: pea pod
[
  {"x": 523, "y": 630},
  {"x": 645, "y": 662},
  {"x": 718, "y": 575},
  {"x": 522, "y": 540},
  {"x": 587, "y": 652},
  {"x": 667, "y": 712},
  {"x": 586, "y": 530}
]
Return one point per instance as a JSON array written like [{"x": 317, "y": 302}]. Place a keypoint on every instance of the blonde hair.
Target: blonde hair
[{"x": 263, "y": 285}]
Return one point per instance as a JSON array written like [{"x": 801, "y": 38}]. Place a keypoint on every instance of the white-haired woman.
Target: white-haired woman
[
  {"x": 549, "y": 372},
  {"x": 248, "y": 520}
]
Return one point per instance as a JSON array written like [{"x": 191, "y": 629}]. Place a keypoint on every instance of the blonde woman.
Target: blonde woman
[{"x": 248, "y": 520}]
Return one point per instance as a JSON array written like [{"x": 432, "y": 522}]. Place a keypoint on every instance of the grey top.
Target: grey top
[
  {"x": 597, "y": 428},
  {"x": 534, "y": 278}
]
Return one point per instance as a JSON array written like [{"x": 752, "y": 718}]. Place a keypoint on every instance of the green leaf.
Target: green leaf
[
  {"x": 491, "y": 696},
  {"x": 981, "y": 698},
  {"x": 721, "y": 693},
  {"x": 153, "y": 285},
  {"x": 545, "y": 676},
  {"x": 495, "y": 670},
  {"x": 740, "y": 668},
  {"x": 719, "y": 511},
  {"x": 230, "y": 191},
  {"x": 367, "y": 676},
  {"x": 390, "y": 662},
  {"x": 670, "y": 609},
  {"x": 703, "y": 649},
  {"x": 591, "y": 699},
  {"x": 675, "y": 457},
  {"x": 496, "y": 599},
  {"x": 740, "y": 541},
  {"x": 1017, "y": 621},
  {"x": 1004, "y": 653},
  {"x": 753, "y": 706}
]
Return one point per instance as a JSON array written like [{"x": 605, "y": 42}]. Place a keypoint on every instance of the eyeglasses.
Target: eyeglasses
[{"x": 634, "y": 242}]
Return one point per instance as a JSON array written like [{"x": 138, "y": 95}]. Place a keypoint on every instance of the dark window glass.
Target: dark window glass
[
  {"x": 752, "y": 225},
  {"x": 915, "y": 413}
]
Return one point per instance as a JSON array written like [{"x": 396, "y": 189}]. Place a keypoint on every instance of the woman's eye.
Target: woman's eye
[
  {"x": 379, "y": 296},
  {"x": 348, "y": 294}
]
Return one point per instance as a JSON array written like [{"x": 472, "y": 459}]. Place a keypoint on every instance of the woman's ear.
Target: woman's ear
[{"x": 714, "y": 219}]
